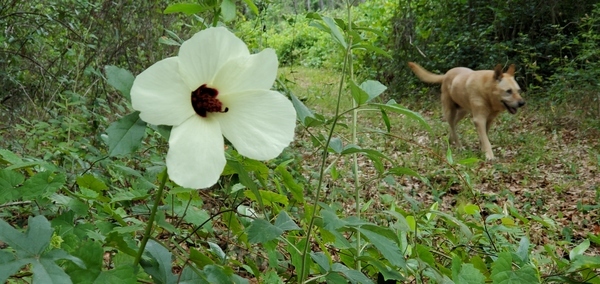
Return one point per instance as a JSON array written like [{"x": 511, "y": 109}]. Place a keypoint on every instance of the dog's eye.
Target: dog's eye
[{"x": 509, "y": 91}]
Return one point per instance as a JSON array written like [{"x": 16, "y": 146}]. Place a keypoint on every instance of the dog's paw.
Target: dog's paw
[{"x": 489, "y": 157}]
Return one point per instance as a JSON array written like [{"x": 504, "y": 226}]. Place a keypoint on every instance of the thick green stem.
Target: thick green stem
[{"x": 157, "y": 199}]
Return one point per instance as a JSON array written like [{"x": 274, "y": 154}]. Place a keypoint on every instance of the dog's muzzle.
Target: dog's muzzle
[{"x": 513, "y": 109}]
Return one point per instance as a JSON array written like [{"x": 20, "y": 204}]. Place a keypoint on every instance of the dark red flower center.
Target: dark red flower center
[{"x": 204, "y": 100}]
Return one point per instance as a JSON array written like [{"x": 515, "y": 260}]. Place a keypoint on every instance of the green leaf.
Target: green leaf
[
  {"x": 9, "y": 181},
  {"x": 424, "y": 253},
  {"x": 269, "y": 198},
  {"x": 161, "y": 264},
  {"x": 372, "y": 48},
  {"x": 201, "y": 260},
  {"x": 284, "y": 222},
  {"x": 392, "y": 106},
  {"x": 469, "y": 275},
  {"x": 9, "y": 265},
  {"x": 335, "y": 145},
  {"x": 471, "y": 209},
  {"x": 186, "y": 8},
  {"x": 523, "y": 250},
  {"x": 335, "y": 31},
  {"x": 321, "y": 259},
  {"x": 42, "y": 185},
  {"x": 387, "y": 247},
  {"x": 252, "y": 6},
  {"x": 120, "y": 79},
  {"x": 302, "y": 111},
  {"x": 261, "y": 231},
  {"x": 91, "y": 182},
  {"x": 228, "y": 10},
  {"x": 359, "y": 95},
  {"x": 579, "y": 249},
  {"x": 290, "y": 183},
  {"x": 400, "y": 171},
  {"x": 125, "y": 135},
  {"x": 373, "y": 88},
  {"x": 33, "y": 242},
  {"x": 386, "y": 120},
  {"x": 502, "y": 272},
  {"x": 354, "y": 276}
]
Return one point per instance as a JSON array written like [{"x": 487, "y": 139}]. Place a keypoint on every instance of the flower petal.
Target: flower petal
[
  {"x": 259, "y": 124},
  {"x": 254, "y": 72},
  {"x": 196, "y": 156},
  {"x": 206, "y": 52},
  {"x": 160, "y": 94}
]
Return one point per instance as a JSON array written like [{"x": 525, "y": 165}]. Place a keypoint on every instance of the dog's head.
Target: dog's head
[{"x": 507, "y": 88}]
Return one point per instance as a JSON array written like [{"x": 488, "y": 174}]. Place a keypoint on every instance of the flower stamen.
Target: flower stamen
[{"x": 204, "y": 100}]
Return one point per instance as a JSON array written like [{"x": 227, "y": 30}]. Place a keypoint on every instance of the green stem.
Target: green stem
[
  {"x": 354, "y": 138},
  {"x": 148, "y": 231},
  {"x": 322, "y": 169}
]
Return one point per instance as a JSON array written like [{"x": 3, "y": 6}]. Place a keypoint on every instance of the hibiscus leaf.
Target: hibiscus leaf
[
  {"x": 125, "y": 135},
  {"x": 261, "y": 231},
  {"x": 121, "y": 79}
]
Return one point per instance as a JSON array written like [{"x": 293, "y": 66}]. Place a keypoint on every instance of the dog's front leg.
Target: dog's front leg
[{"x": 481, "y": 122}]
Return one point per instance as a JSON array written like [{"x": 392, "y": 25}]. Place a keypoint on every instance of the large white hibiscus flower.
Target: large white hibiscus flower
[{"x": 214, "y": 88}]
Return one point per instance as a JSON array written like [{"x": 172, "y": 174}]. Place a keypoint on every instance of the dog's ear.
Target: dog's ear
[
  {"x": 511, "y": 70},
  {"x": 498, "y": 72}
]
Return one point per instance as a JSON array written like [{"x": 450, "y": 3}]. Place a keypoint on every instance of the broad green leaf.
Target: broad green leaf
[
  {"x": 269, "y": 198},
  {"x": 392, "y": 106},
  {"x": 10, "y": 157},
  {"x": 261, "y": 231},
  {"x": 189, "y": 276},
  {"x": 161, "y": 264},
  {"x": 335, "y": 145},
  {"x": 125, "y": 135},
  {"x": 186, "y": 8},
  {"x": 46, "y": 271},
  {"x": 331, "y": 221},
  {"x": 321, "y": 259},
  {"x": 335, "y": 31},
  {"x": 217, "y": 251},
  {"x": 388, "y": 273},
  {"x": 372, "y": 48},
  {"x": 201, "y": 260},
  {"x": 579, "y": 249},
  {"x": 400, "y": 171},
  {"x": 42, "y": 184},
  {"x": 523, "y": 250},
  {"x": 290, "y": 183},
  {"x": 502, "y": 272},
  {"x": 9, "y": 181},
  {"x": 354, "y": 276},
  {"x": 35, "y": 240},
  {"x": 469, "y": 275},
  {"x": 302, "y": 111},
  {"x": 464, "y": 229},
  {"x": 91, "y": 182},
  {"x": 122, "y": 274},
  {"x": 120, "y": 79},
  {"x": 228, "y": 10},
  {"x": 9, "y": 265},
  {"x": 373, "y": 88},
  {"x": 216, "y": 274},
  {"x": 387, "y": 247},
  {"x": 424, "y": 253},
  {"x": 471, "y": 209},
  {"x": 359, "y": 95},
  {"x": 284, "y": 222}
]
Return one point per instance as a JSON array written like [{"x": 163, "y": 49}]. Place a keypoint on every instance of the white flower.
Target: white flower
[{"x": 214, "y": 88}]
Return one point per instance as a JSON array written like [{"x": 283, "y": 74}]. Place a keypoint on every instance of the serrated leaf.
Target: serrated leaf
[
  {"x": 386, "y": 247},
  {"x": 186, "y": 8},
  {"x": 261, "y": 231},
  {"x": 9, "y": 181},
  {"x": 42, "y": 184},
  {"x": 469, "y": 275},
  {"x": 125, "y": 135},
  {"x": 228, "y": 10},
  {"x": 9, "y": 265},
  {"x": 91, "y": 182},
  {"x": 33, "y": 242},
  {"x": 120, "y": 79},
  {"x": 502, "y": 272},
  {"x": 285, "y": 223},
  {"x": 373, "y": 88}
]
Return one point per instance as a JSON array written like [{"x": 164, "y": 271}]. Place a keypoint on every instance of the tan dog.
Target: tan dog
[{"x": 484, "y": 93}]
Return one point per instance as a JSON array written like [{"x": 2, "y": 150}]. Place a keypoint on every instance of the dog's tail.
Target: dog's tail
[{"x": 425, "y": 75}]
